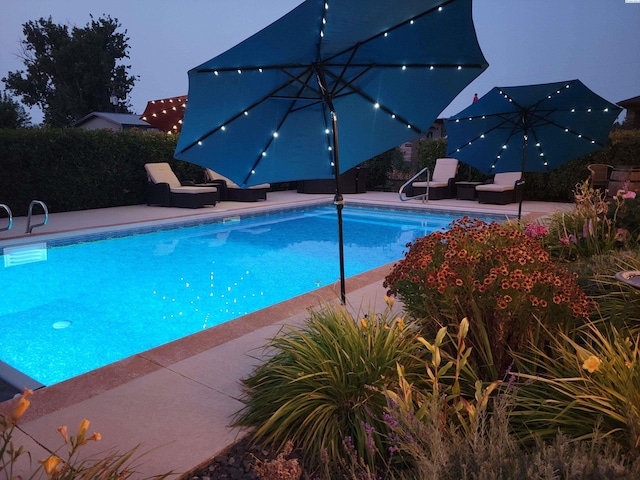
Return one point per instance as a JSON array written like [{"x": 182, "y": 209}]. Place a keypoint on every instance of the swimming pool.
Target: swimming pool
[{"x": 98, "y": 300}]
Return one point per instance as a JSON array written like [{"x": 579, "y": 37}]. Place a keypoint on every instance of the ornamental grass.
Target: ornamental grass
[
  {"x": 496, "y": 276},
  {"x": 322, "y": 387}
]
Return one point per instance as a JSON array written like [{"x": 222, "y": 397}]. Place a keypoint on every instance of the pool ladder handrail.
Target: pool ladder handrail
[
  {"x": 46, "y": 215},
  {"x": 8, "y": 210},
  {"x": 423, "y": 196}
]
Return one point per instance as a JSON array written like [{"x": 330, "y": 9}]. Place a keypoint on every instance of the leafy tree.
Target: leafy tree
[
  {"x": 70, "y": 74},
  {"x": 12, "y": 114}
]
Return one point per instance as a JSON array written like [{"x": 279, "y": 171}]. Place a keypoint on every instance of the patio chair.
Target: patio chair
[
  {"x": 599, "y": 175},
  {"x": 443, "y": 180},
  {"x": 164, "y": 189},
  {"x": 503, "y": 188},
  {"x": 232, "y": 192}
]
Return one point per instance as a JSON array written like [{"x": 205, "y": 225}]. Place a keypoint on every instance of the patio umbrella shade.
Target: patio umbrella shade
[
  {"x": 267, "y": 109},
  {"x": 532, "y": 128}
]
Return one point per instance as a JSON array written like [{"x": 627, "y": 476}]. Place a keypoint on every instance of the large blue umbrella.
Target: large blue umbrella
[
  {"x": 531, "y": 128},
  {"x": 266, "y": 110}
]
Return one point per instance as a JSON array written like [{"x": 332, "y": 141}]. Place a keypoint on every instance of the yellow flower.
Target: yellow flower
[
  {"x": 400, "y": 323},
  {"x": 84, "y": 425},
  {"x": 628, "y": 364},
  {"x": 363, "y": 323},
  {"x": 22, "y": 405},
  {"x": 592, "y": 364},
  {"x": 389, "y": 301},
  {"x": 50, "y": 464}
]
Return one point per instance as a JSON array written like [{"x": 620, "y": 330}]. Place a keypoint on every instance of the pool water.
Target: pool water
[{"x": 92, "y": 303}]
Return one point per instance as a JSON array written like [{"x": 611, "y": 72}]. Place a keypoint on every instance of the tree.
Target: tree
[
  {"x": 12, "y": 114},
  {"x": 69, "y": 75}
]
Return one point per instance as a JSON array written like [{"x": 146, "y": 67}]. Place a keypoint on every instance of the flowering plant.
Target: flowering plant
[
  {"x": 496, "y": 276},
  {"x": 597, "y": 224}
]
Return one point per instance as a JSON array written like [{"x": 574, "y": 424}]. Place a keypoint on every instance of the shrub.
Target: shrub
[
  {"x": 497, "y": 277},
  {"x": 324, "y": 384}
]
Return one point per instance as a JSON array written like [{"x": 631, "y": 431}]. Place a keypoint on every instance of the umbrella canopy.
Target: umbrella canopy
[
  {"x": 533, "y": 128},
  {"x": 266, "y": 110},
  {"x": 166, "y": 114},
  {"x": 260, "y": 112}
]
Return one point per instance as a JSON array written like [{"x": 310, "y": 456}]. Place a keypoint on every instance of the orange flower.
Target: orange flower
[
  {"x": 592, "y": 364},
  {"x": 363, "y": 323},
  {"x": 84, "y": 425},
  {"x": 63, "y": 431},
  {"x": 22, "y": 405},
  {"x": 389, "y": 301},
  {"x": 51, "y": 464},
  {"x": 400, "y": 322}
]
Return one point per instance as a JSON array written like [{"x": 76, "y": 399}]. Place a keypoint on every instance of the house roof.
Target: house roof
[
  {"x": 124, "y": 119},
  {"x": 630, "y": 103}
]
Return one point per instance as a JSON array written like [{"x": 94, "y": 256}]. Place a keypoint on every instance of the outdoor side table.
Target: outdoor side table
[{"x": 467, "y": 190}]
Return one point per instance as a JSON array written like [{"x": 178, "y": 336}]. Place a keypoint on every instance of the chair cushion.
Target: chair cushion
[
  {"x": 210, "y": 175},
  {"x": 445, "y": 169},
  {"x": 507, "y": 178},
  {"x": 161, "y": 173},
  {"x": 493, "y": 187},
  {"x": 431, "y": 184},
  {"x": 189, "y": 189}
]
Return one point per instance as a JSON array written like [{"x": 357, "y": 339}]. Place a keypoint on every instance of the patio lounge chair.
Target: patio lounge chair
[
  {"x": 443, "y": 180},
  {"x": 505, "y": 188},
  {"x": 164, "y": 189},
  {"x": 232, "y": 192}
]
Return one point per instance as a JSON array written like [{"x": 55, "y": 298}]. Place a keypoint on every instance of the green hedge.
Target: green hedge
[{"x": 74, "y": 169}]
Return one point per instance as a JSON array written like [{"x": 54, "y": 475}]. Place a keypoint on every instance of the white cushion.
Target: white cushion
[
  {"x": 162, "y": 173},
  {"x": 445, "y": 169},
  {"x": 431, "y": 184},
  {"x": 492, "y": 187},
  {"x": 190, "y": 189},
  {"x": 502, "y": 182},
  {"x": 211, "y": 175}
]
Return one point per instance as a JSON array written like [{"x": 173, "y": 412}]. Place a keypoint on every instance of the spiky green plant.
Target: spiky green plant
[
  {"x": 324, "y": 383},
  {"x": 578, "y": 383}
]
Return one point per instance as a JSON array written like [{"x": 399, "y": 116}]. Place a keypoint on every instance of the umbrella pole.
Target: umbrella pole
[
  {"x": 338, "y": 201},
  {"x": 524, "y": 166}
]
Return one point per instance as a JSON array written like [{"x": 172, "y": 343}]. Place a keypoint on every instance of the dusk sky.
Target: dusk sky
[{"x": 524, "y": 41}]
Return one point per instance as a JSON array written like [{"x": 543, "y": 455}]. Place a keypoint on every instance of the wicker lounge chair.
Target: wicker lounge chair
[
  {"x": 443, "y": 180},
  {"x": 164, "y": 189},
  {"x": 232, "y": 192},
  {"x": 505, "y": 188}
]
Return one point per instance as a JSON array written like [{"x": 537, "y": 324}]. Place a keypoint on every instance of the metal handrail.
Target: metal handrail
[
  {"x": 423, "y": 196},
  {"x": 6, "y": 207},
  {"x": 46, "y": 215}
]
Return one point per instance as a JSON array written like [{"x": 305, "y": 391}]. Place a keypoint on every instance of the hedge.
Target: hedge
[{"x": 74, "y": 169}]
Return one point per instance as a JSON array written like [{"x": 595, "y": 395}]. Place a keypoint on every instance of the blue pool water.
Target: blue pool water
[{"x": 91, "y": 303}]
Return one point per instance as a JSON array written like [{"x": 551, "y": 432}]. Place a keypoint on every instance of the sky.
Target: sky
[{"x": 524, "y": 41}]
